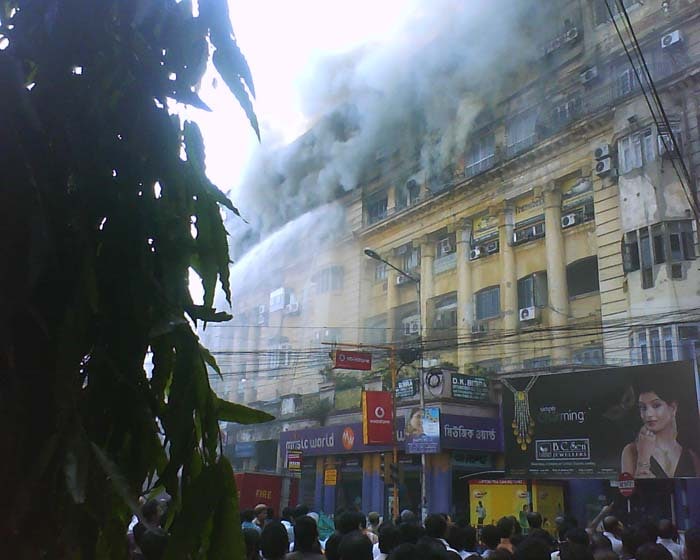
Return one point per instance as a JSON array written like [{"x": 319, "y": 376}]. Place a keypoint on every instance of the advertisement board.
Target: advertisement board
[
  {"x": 377, "y": 417},
  {"x": 470, "y": 433},
  {"x": 346, "y": 359},
  {"x": 406, "y": 388},
  {"x": 470, "y": 387},
  {"x": 548, "y": 501},
  {"x": 597, "y": 424},
  {"x": 489, "y": 500},
  {"x": 423, "y": 430}
]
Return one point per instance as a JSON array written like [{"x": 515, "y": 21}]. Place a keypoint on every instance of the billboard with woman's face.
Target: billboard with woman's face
[{"x": 596, "y": 424}]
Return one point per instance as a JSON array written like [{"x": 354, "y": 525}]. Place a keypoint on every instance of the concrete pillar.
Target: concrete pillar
[
  {"x": 392, "y": 299},
  {"x": 509, "y": 287},
  {"x": 371, "y": 475},
  {"x": 318, "y": 485},
  {"x": 329, "y": 491},
  {"x": 465, "y": 296},
  {"x": 378, "y": 484},
  {"x": 390, "y": 200},
  {"x": 440, "y": 483},
  {"x": 427, "y": 285},
  {"x": 556, "y": 274}
]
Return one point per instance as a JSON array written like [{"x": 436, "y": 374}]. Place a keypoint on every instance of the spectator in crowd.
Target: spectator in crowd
[
  {"x": 436, "y": 530},
  {"x": 534, "y": 520},
  {"x": 286, "y": 520},
  {"x": 653, "y": 551},
  {"x": 365, "y": 531},
  {"x": 612, "y": 528},
  {"x": 389, "y": 539},
  {"x": 692, "y": 544},
  {"x": 507, "y": 529},
  {"x": 274, "y": 543},
  {"x": 668, "y": 536},
  {"x": 260, "y": 515},
  {"x": 410, "y": 532},
  {"x": 600, "y": 542},
  {"x": 632, "y": 539},
  {"x": 463, "y": 540},
  {"x": 306, "y": 545},
  {"x": 405, "y": 551},
  {"x": 355, "y": 546},
  {"x": 532, "y": 549},
  {"x": 490, "y": 538},
  {"x": 373, "y": 522},
  {"x": 251, "y": 538}
]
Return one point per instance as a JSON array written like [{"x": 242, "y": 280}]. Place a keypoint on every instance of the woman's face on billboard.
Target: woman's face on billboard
[
  {"x": 655, "y": 412},
  {"x": 417, "y": 420}
]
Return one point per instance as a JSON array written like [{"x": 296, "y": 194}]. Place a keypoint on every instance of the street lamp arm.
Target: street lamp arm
[{"x": 374, "y": 255}]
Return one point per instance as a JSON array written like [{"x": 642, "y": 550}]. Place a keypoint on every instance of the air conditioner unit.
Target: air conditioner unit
[
  {"x": 538, "y": 230},
  {"x": 401, "y": 279},
  {"x": 589, "y": 75},
  {"x": 480, "y": 328},
  {"x": 568, "y": 220},
  {"x": 522, "y": 235},
  {"x": 603, "y": 167},
  {"x": 527, "y": 314},
  {"x": 411, "y": 327},
  {"x": 261, "y": 319},
  {"x": 571, "y": 35},
  {"x": 291, "y": 308},
  {"x": 475, "y": 253},
  {"x": 445, "y": 246},
  {"x": 671, "y": 39},
  {"x": 602, "y": 151},
  {"x": 261, "y": 309},
  {"x": 492, "y": 247}
]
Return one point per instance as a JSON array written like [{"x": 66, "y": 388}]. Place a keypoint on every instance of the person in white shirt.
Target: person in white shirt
[
  {"x": 613, "y": 529},
  {"x": 389, "y": 539},
  {"x": 667, "y": 533}
]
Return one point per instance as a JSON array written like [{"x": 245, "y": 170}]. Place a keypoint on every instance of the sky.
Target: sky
[{"x": 282, "y": 41}]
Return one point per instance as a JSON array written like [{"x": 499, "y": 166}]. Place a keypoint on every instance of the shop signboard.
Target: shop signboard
[
  {"x": 377, "y": 418},
  {"x": 338, "y": 439},
  {"x": 330, "y": 477},
  {"x": 244, "y": 449},
  {"x": 294, "y": 461},
  {"x": 423, "y": 430},
  {"x": 406, "y": 388},
  {"x": 345, "y": 359},
  {"x": 470, "y": 387},
  {"x": 589, "y": 424},
  {"x": 470, "y": 433}
]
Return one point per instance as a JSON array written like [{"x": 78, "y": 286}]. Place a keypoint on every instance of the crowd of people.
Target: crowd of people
[{"x": 296, "y": 536}]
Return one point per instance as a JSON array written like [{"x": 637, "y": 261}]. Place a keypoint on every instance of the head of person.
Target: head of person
[
  {"x": 389, "y": 538},
  {"x": 260, "y": 513},
  {"x": 600, "y": 542},
  {"x": 506, "y": 527},
  {"x": 632, "y": 539},
  {"x": 153, "y": 543},
  {"x": 501, "y": 554},
  {"x": 150, "y": 512},
  {"x": 469, "y": 538},
  {"x": 605, "y": 554},
  {"x": 332, "y": 546},
  {"x": 517, "y": 529},
  {"x": 274, "y": 542},
  {"x": 490, "y": 536},
  {"x": 251, "y": 538},
  {"x": 456, "y": 537},
  {"x": 305, "y": 534},
  {"x": 436, "y": 526},
  {"x": 407, "y": 516},
  {"x": 286, "y": 514},
  {"x": 666, "y": 529},
  {"x": 247, "y": 515},
  {"x": 300, "y": 510},
  {"x": 657, "y": 407},
  {"x": 541, "y": 534},
  {"x": 411, "y": 532},
  {"x": 532, "y": 549},
  {"x": 534, "y": 520},
  {"x": 577, "y": 536},
  {"x": 373, "y": 518},
  {"x": 355, "y": 546},
  {"x": 349, "y": 521},
  {"x": 612, "y": 524},
  {"x": 653, "y": 551},
  {"x": 404, "y": 551},
  {"x": 692, "y": 544}
]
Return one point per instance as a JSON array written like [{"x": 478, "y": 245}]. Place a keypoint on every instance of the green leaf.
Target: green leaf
[
  {"x": 234, "y": 412},
  {"x": 228, "y": 67},
  {"x": 227, "y": 538},
  {"x": 210, "y": 360}
]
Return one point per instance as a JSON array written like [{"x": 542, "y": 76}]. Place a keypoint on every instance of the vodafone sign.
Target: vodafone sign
[
  {"x": 345, "y": 359},
  {"x": 377, "y": 418}
]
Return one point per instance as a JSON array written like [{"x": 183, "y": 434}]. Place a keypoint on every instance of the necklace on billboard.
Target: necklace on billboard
[{"x": 523, "y": 425}]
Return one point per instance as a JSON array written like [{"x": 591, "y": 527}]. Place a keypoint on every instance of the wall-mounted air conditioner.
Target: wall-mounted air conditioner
[
  {"x": 671, "y": 39},
  {"x": 538, "y": 230},
  {"x": 665, "y": 144},
  {"x": 602, "y": 151},
  {"x": 411, "y": 327},
  {"x": 568, "y": 220},
  {"x": 480, "y": 328},
  {"x": 587, "y": 76},
  {"x": 492, "y": 247},
  {"x": 475, "y": 253},
  {"x": 603, "y": 167},
  {"x": 521, "y": 235},
  {"x": 291, "y": 308},
  {"x": 571, "y": 35},
  {"x": 401, "y": 279},
  {"x": 527, "y": 314}
]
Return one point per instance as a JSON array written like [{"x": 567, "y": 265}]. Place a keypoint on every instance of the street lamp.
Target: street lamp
[{"x": 416, "y": 280}]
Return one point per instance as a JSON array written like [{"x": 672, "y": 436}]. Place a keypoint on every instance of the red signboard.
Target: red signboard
[
  {"x": 377, "y": 417},
  {"x": 626, "y": 484},
  {"x": 257, "y": 488},
  {"x": 345, "y": 359}
]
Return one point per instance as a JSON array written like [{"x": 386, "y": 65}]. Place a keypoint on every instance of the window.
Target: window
[
  {"x": 635, "y": 150},
  {"x": 277, "y": 299},
  {"x": 379, "y": 272},
  {"x": 542, "y": 362},
  {"x": 446, "y": 314},
  {"x": 376, "y": 210},
  {"x": 376, "y": 331},
  {"x": 630, "y": 252},
  {"x": 407, "y": 195},
  {"x": 657, "y": 234},
  {"x": 582, "y": 277},
  {"x": 665, "y": 140},
  {"x": 520, "y": 132},
  {"x": 486, "y": 367},
  {"x": 481, "y": 156},
  {"x": 488, "y": 303},
  {"x": 681, "y": 241},
  {"x": 565, "y": 112},
  {"x": 411, "y": 259},
  {"x": 602, "y": 15},
  {"x": 410, "y": 325},
  {"x": 532, "y": 290},
  {"x": 588, "y": 356},
  {"x": 655, "y": 341},
  {"x": 329, "y": 279},
  {"x": 280, "y": 356}
]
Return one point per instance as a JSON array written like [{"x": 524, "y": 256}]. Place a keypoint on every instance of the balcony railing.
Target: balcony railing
[
  {"x": 485, "y": 164},
  {"x": 443, "y": 264},
  {"x": 514, "y": 149}
]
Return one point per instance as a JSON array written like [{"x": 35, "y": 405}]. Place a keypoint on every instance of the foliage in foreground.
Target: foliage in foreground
[{"x": 104, "y": 208}]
